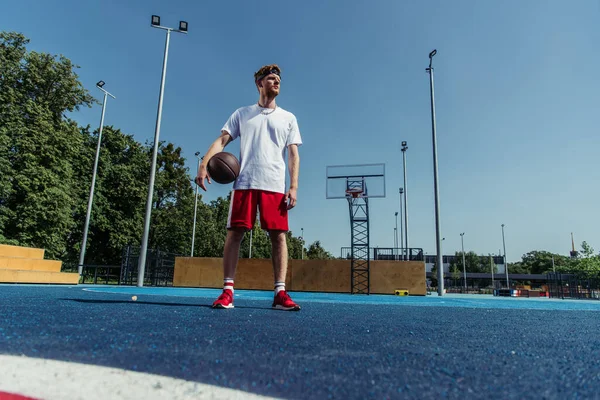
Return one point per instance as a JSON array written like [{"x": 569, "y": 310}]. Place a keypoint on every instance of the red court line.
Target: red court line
[{"x": 13, "y": 396}]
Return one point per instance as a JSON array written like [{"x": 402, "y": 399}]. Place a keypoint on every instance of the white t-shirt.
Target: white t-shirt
[{"x": 265, "y": 134}]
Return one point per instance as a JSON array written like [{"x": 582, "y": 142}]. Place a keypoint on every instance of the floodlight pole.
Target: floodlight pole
[
  {"x": 195, "y": 208},
  {"x": 435, "y": 181},
  {"x": 404, "y": 148},
  {"x": 95, "y": 171},
  {"x": 144, "y": 247},
  {"x": 492, "y": 268},
  {"x": 462, "y": 243},
  {"x": 302, "y": 230},
  {"x": 505, "y": 260},
  {"x": 395, "y": 235},
  {"x": 401, "y": 226},
  {"x": 250, "y": 250}
]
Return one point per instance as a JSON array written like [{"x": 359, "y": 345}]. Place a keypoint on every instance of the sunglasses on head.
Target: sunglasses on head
[{"x": 269, "y": 72}]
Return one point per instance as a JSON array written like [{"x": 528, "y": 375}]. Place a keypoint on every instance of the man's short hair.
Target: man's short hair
[{"x": 266, "y": 70}]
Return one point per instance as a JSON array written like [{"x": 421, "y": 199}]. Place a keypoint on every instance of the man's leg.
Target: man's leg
[
  {"x": 230, "y": 259},
  {"x": 242, "y": 213},
  {"x": 273, "y": 217},
  {"x": 279, "y": 255},
  {"x": 232, "y": 251}
]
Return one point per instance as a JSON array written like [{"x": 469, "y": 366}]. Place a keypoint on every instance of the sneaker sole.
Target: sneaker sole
[
  {"x": 282, "y": 308},
  {"x": 222, "y": 306}
]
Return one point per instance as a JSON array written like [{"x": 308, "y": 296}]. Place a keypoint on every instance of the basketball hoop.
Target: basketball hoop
[{"x": 356, "y": 192}]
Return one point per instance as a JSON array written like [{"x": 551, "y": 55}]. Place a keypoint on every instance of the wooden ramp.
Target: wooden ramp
[{"x": 27, "y": 265}]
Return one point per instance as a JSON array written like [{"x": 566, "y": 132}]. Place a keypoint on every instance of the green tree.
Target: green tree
[
  {"x": 588, "y": 263},
  {"x": 434, "y": 274},
  {"x": 518, "y": 268},
  {"x": 294, "y": 245},
  {"x": 456, "y": 274},
  {"x": 261, "y": 243},
  {"x": 473, "y": 262},
  {"x": 38, "y": 144},
  {"x": 12, "y": 52},
  {"x": 540, "y": 262},
  {"x": 212, "y": 231},
  {"x": 245, "y": 246},
  {"x": 172, "y": 215},
  {"x": 119, "y": 198},
  {"x": 317, "y": 252}
]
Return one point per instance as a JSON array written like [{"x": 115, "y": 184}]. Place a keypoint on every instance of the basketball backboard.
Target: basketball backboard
[{"x": 364, "y": 180}]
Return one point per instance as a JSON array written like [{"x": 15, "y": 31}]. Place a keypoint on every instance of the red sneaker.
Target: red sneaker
[
  {"x": 283, "y": 301},
  {"x": 225, "y": 300}
]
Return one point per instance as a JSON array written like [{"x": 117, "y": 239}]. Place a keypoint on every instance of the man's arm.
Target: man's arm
[
  {"x": 294, "y": 168},
  {"x": 217, "y": 146}
]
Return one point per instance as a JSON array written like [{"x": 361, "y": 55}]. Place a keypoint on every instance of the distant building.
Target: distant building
[
  {"x": 573, "y": 252},
  {"x": 416, "y": 254},
  {"x": 430, "y": 261}
]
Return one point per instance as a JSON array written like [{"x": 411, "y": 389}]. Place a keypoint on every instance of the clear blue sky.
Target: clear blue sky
[{"x": 516, "y": 90}]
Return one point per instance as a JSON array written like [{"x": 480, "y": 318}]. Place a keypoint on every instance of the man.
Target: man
[{"x": 266, "y": 132}]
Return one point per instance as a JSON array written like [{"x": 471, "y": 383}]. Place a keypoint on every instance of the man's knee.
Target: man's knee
[
  {"x": 277, "y": 237},
  {"x": 236, "y": 234}
]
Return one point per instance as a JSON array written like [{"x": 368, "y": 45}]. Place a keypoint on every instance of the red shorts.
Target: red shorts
[{"x": 272, "y": 207}]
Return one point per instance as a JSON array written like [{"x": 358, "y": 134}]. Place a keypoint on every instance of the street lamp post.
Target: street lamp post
[
  {"x": 505, "y": 260},
  {"x": 404, "y": 148},
  {"x": 401, "y": 225},
  {"x": 462, "y": 242},
  {"x": 88, "y": 214},
  {"x": 183, "y": 27},
  {"x": 396, "y": 235},
  {"x": 195, "y": 207},
  {"x": 492, "y": 268},
  {"x": 250, "y": 247},
  {"x": 435, "y": 174},
  {"x": 302, "y": 230}
]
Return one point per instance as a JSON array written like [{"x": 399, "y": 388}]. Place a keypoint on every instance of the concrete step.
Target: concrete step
[
  {"x": 21, "y": 252},
  {"x": 18, "y": 276},
  {"x": 29, "y": 264}
]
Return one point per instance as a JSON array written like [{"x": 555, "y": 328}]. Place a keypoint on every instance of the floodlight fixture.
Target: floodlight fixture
[{"x": 155, "y": 20}]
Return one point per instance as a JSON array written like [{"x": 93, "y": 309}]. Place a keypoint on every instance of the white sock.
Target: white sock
[
  {"x": 228, "y": 284},
  {"x": 279, "y": 286}
]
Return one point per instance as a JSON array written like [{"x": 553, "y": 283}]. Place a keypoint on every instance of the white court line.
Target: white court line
[{"x": 59, "y": 380}]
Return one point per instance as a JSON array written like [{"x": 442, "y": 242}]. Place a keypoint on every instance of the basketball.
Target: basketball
[{"x": 223, "y": 167}]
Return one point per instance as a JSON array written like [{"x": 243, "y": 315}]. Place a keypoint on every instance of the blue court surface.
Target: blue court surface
[{"x": 337, "y": 347}]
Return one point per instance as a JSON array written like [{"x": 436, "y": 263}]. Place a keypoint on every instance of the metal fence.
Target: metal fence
[
  {"x": 104, "y": 274},
  {"x": 572, "y": 286},
  {"x": 160, "y": 267},
  {"x": 387, "y": 253}
]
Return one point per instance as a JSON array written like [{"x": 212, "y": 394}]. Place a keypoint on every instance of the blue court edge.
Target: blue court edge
[{"x": 449, "y": 300}]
